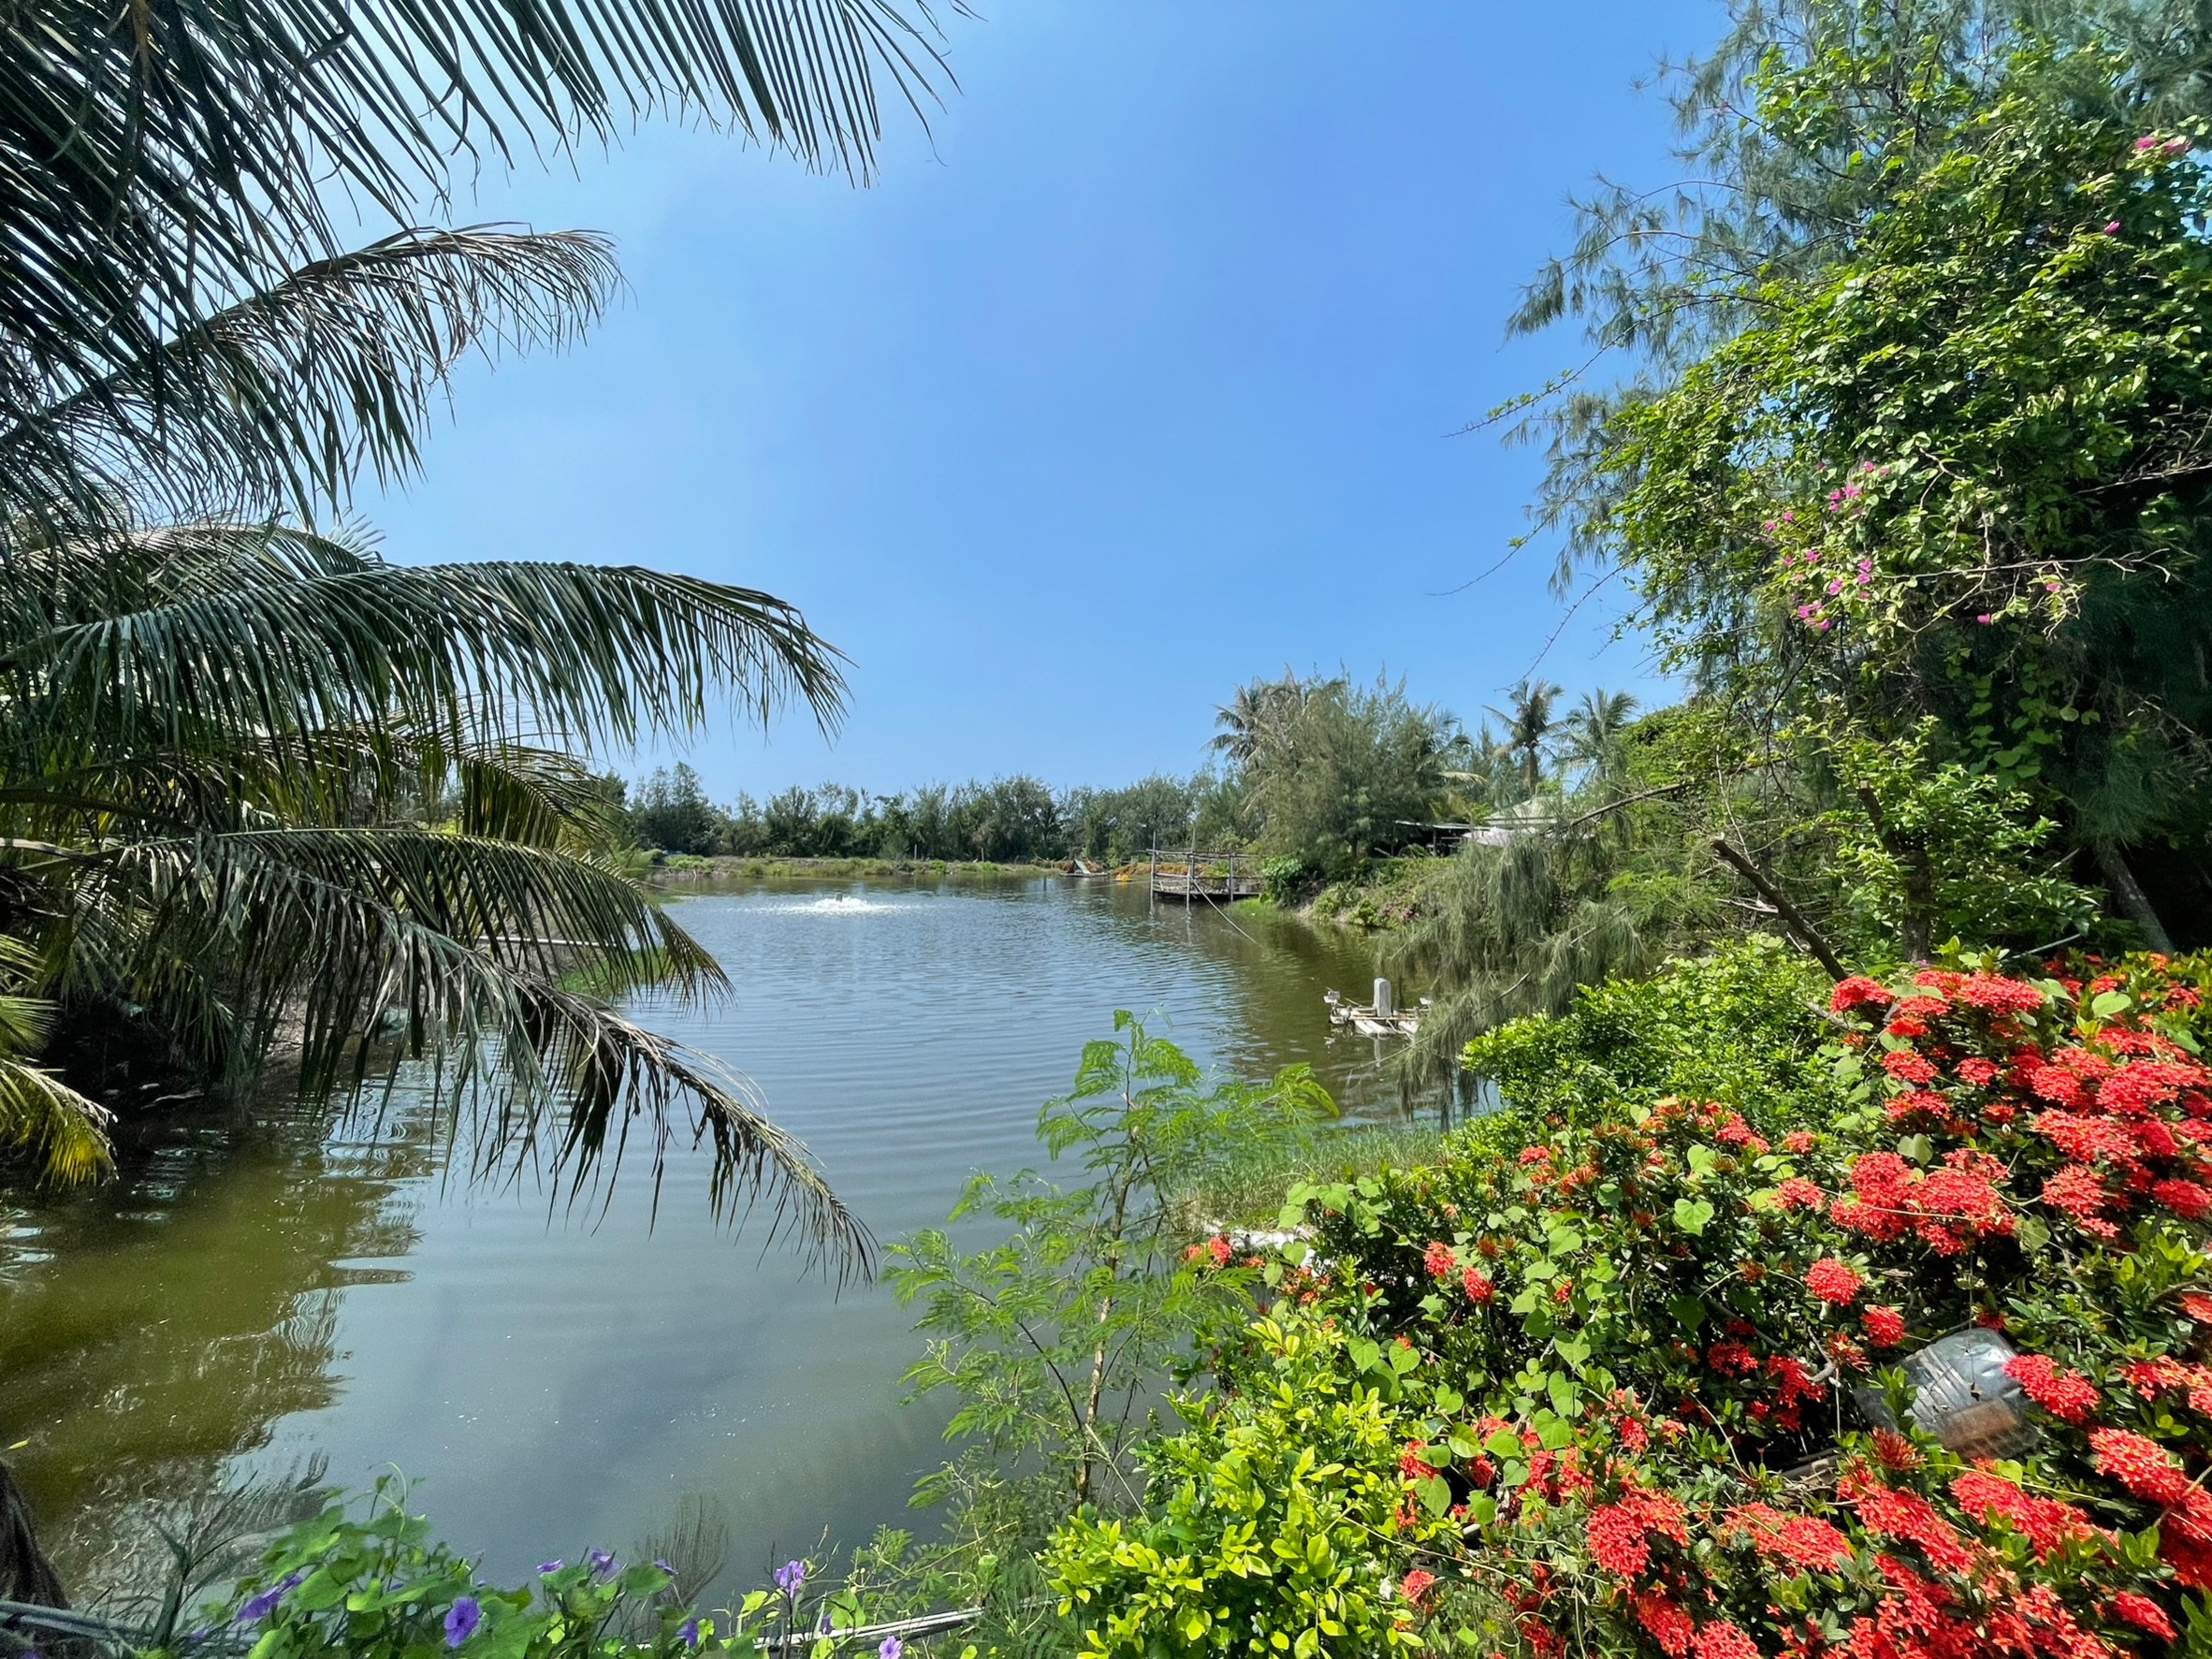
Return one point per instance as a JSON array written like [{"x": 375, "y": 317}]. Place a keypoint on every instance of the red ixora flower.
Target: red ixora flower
[
  {"x": 1720, "y": 1639},
  {"x": 1621, "y": 1532},
  {"x": 2132, "y": 1607},
  {"x": 2143, "y": 1466},
  {"x": 2081, "y": 1193},
  {"x": 1477, "y": 1285},
  {"x": 1833, "y": 1281},
  {"x": 1806, "y": 1543},
  {"x": 1856, "y": 990},
  {"x": 1886, "y": 1327},
  {"x": 1440, "y": 1261},
  {"x": 1908, "y": 1067},
  {"x": 1416, "y": 1585},
  {"x": 1998, "y": 996},
  {"x": 2185, "y": 1199},
  {"x": 1798, "y": 1193},
  {"x": 2047, "y": 1524},
  {"x": 1671, "y": 1627},
  {"x": 2065, "y": 1394},
  {"x": 1894, "y": 1513}
]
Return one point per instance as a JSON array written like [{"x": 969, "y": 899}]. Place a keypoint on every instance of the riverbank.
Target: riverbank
[{"x": 1386, "y": 894}]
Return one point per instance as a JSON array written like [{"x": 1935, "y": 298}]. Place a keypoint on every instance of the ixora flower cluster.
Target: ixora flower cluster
[{"x": 1662, "y": 1400}]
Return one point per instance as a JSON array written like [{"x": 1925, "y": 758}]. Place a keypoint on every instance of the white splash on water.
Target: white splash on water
[{"x": 843, "y": 904}]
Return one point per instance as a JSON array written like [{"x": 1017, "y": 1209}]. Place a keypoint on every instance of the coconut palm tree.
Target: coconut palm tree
[
  {"x": 1593, "y": 731},
  {"x": 258, "y": 787},
  {"x": 1530, "y": 726},
  {"x": 1257, "y": 709}
]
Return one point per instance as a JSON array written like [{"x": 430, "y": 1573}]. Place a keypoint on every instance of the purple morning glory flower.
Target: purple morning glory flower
[
  {"x": 549, "y": 1566},
  {"x": 461, "y": 1619},
  {"x": 663, "y": 1566},
  {"x": 891, "y": 1649},
  {"x": 603, "y": 1562},
  {"x": 689, "y": 1635},
  {"x": 790, "y": 1576},
  {"x": 265, "y": 1604},
  {"x": 824, "y": 1628}
]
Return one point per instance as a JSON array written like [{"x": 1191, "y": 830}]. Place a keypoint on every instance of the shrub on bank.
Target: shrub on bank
[
  {"x": 1622, "y": 1387},
  {"x": 1730, "y": 1027}
]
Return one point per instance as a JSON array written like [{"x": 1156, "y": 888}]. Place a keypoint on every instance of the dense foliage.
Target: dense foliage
[
  {"x": 1956, "y": 471},
  {"x": 1620, "y": 1360}
]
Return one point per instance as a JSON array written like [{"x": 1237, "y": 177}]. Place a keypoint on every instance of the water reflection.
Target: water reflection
[
  {"x": 156, "y": 1328},
  {"x": 258, "y": 1291}
]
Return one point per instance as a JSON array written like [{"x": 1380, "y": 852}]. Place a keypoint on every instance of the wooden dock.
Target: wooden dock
[{"x": 1211, "y": 878}]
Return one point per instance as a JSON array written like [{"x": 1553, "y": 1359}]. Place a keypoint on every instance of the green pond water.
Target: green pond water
[{"x": 263, "y": 1290}]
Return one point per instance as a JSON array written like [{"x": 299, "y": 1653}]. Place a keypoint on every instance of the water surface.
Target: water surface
[{"x": 263, "y": 1290}]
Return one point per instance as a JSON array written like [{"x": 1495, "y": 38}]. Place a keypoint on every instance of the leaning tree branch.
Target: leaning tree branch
[{"x": 1793, "y": 917}]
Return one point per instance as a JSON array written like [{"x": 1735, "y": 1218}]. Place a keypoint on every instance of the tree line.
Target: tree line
[{"x": 1318, "y": 771}]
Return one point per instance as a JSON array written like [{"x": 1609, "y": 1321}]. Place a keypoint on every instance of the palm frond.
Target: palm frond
[
  {"x": 374, "y": 945},
  {"x": 62, "y": 1134},
  {"x": 283, "y": 398},
  {"x": 158, "y": 162},
  {"x": 485, "y": 653},
  {"x": 308, "y": 916}
]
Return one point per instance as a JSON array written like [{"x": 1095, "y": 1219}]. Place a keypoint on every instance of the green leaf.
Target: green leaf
[
  {"x": 1690, "y": 1215},
  {"x": 2107, "y": 1003},
  {"x": 1563, "y": 1394},
  {"x": 323, "y": 1589}
]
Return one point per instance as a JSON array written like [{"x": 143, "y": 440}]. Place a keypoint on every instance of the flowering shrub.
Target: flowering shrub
[
  {"x": 1632, "y": 1346},
  {"x": 380, "y": 1588}
]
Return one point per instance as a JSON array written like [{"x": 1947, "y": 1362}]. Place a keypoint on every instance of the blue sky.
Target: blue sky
[{"x": 1132, "y": 378}]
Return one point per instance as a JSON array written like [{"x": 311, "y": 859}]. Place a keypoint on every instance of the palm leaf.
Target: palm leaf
[
  {"x": 159, "y": 161},
  {"x": 286, "y": 396},
  {"x": 486, "y": 653},
  {"x": 64, "y": 1135},
  {"x": 457, "y": 949}
]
